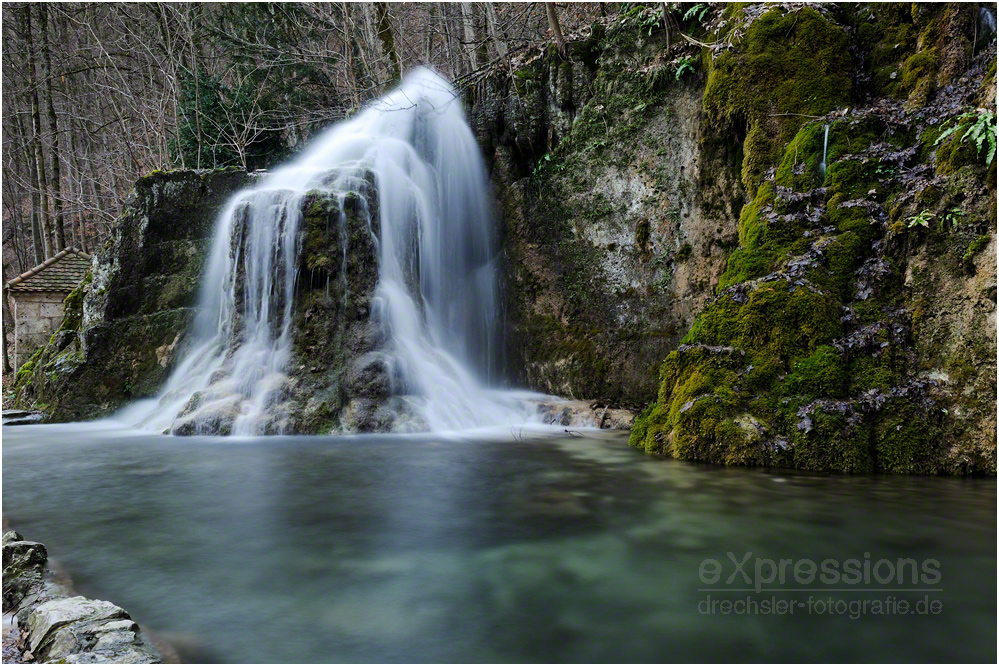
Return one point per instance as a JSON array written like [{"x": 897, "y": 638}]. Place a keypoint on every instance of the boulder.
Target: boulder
[{"x": 56, "y": 626}]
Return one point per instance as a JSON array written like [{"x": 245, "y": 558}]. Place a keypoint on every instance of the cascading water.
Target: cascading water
[
  {"x": 986, "y": 24},
  {"x": 437, "y": 294},
  {"x": 825, "y": 152}
]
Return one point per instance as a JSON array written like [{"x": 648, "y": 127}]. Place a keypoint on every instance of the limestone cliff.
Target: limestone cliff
[
  {"x": 616, "y": 223},
  {"x": 854, "y": 326}
]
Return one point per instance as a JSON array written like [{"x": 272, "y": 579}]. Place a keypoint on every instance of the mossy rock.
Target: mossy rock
[
  {"x": 788, "y": 66},
  {"x": 909, "y": 439}
]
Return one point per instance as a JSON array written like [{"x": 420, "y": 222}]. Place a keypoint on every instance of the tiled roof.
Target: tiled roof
[{"x": 62, "y": 272}]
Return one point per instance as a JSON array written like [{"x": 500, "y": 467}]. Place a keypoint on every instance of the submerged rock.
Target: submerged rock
[{"x": 583, "y": 414}]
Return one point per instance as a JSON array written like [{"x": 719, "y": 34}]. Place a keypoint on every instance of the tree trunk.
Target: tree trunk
[
  {"x": 37, "y": 251},
  {"x": 668, "y": 24},
  {"x": 468, "y": 23},
  {"x": 76, "y": 177},
  {"x": 556, "y": 29},
  {"x": 37, "y": 247},
  {"x": 355, "y": 74},
  {"x": 388, "y": 40},
  {"x": 36, "y": 140},
  {"x": 491, "y": 24},
  {"x": 59, "y": 229},
  {"x": 449, "y": 47},
  {"x": 7, "y": 322}
]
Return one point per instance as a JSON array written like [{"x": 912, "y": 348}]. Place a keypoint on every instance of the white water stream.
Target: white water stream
[{"x": 437, "y": 294}]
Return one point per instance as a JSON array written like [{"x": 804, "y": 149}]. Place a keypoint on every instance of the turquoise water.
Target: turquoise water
[{"x": 486, "y": 548}]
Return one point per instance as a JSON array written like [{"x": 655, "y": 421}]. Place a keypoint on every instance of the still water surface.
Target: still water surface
[{"x": 485, "y": 548}]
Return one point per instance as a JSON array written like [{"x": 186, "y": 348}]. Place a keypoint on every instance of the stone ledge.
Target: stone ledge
[{"x": 55, "y": 626}]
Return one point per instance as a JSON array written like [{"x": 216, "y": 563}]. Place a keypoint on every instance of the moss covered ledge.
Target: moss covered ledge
[{"x": 854, "y": 325}]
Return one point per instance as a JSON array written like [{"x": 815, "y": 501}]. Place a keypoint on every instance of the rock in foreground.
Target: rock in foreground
[{"x": 53, "y": 626}]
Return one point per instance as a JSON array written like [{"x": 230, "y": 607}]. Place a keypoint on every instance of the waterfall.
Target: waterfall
[
  {"x": 986, "y": 24},
  {"x": 436, "y": 299},
  {"x": 825, "y": 151}
]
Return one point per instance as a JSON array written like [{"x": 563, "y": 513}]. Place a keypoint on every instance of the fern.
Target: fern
[
  {"x": 923, "y": 219},
  {"x": 697, "y": 11},
  {"x": 683, "y": 66},
  {"x": 981, "y": 132}
]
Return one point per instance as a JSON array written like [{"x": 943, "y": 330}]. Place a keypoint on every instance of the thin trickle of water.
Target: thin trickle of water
[
  {"x": 986, "y": 24},
  {"x": 825, "y": 151},
  {"x": 437, "y": 295}
]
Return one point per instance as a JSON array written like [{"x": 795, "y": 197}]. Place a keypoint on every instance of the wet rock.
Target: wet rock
[
  {"x": 49, "y": 624},
  {"x": 206, "y": 418},
  {"x": 14, "y": 417},
  {"x": 582, "y": 414},
  {"x": 56, "y": 627},
  {"x": 23, "y": 567},
  {"x": 368, "y": 377},
  {"x": 125, "y": 325},
  {"x": 362, "y": 415}
]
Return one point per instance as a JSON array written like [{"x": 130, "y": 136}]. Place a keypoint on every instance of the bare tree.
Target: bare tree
[
  {"x": 55, "y": 171},
  {"x": 98, "y": 94}
]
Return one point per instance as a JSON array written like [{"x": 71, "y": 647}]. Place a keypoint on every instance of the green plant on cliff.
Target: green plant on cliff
[
  {"x": 974, "y": 127},
  {"x": 922, "y": 219},
  {"x": 697, "y": 12},
  {"x": 683, "y": 66}
]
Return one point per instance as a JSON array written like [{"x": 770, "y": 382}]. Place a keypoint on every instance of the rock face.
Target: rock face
[
  {"x": 56, "y": 627},
  {"x": 822, "y": 328},
  {"x": 854, "y": 326},
  {"x": 21, "y": 417},
  {"x": 583, "y": 414},
  {"x": 615, "y": 222},
  {"x": 124, "y": 326},
  {"x": 336, "y": 382}
]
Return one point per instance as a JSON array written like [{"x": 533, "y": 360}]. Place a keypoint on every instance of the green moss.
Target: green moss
[
  {"x": 822, "y": 373},
  {"x": 26, "y": 369},
  {"x": 800, "y": 170},
  {"x": 755, "y": 256},
  {"x": 789, "y": 66},
  {"x": 844, "y": 255},
  {"x": 695, "y": 396},
  {"x": 976, "y": 246},
  {"x": 73, "y": 305},
  {"x": 906, "y": 440},
  {"x": 782, "y": 323},
  {"x": 716, "y": 324},
  {"x": 919, "y": 76},
  {"x": 321, "y": 232},
  {"x": 868, "y": 372},
  {"x": 886, "y": 35},
  {"x": 832, "y": 441}
]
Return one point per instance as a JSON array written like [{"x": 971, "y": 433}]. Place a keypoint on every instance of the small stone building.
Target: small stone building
[{"x": 36, "y": 300}]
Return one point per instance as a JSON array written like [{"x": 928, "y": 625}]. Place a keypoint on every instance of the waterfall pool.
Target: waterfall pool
[{"x": 532, "y": 545}]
